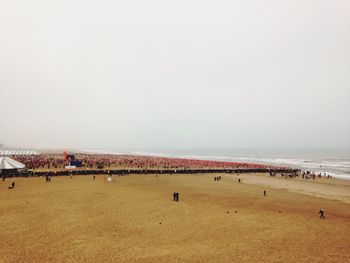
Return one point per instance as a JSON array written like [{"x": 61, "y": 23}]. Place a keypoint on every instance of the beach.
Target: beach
[
  {"x": 134, "y": 219},
  {"x": 174, "y": 131}
]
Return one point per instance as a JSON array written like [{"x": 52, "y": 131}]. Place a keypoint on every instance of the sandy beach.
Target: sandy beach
[
  {"x": 134, "y": 219},
  {"x": 174, "y": 131}
]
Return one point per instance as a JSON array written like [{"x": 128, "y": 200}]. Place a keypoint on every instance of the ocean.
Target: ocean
[{"x": 335, "y": 162}]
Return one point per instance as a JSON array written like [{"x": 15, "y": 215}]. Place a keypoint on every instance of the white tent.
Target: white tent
[
  {"x": 17, "y": 152},
  {"x": 8, "y": 163}
]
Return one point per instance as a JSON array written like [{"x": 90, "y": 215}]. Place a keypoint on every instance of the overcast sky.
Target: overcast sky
[{"x": 175, "y": 74}]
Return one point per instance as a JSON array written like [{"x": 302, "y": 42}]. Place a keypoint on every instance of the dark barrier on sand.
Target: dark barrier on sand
[{"x": 154, "y": 171}]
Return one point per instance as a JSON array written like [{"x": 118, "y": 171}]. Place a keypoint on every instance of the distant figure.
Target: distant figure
[
  {"x": 264, "y": 192},
  {"x": 12, "y": 185},
  {"x": 176, "y": 197},
  {"x": 239, "y": 180},
  {"x": 322, "y": 214},
  {"x": 94, "y": 177},
  {"x": 3, "y": 178}
]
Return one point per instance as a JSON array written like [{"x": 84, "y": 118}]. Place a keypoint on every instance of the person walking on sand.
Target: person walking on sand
[{"x": 321, "y": 212}]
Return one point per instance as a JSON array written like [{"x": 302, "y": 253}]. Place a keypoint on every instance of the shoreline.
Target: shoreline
[
  {"x": 306, "y": 164},
  {"x": 187, "y": 162},
  {"x": 56, "y": 153}
]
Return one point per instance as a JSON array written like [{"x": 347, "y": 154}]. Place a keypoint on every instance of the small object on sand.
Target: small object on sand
[
  {"x": 279, "y": 211},
  {"x": 228, "y": 212},
  {"x": 235, "y": 211},
  {"x": 264, "y": 192},
  {"x": 160, "y": 223}
]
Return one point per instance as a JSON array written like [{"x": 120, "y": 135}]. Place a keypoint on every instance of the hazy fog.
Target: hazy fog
[{"x": 175, "y": 73}]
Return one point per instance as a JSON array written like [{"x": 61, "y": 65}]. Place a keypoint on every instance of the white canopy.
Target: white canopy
[
  {"x": 8, "y": 163},
  {"x": 18, "y": 152}
]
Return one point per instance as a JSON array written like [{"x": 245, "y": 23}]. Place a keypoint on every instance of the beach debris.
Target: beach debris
[{"x": 12, "y": 185}]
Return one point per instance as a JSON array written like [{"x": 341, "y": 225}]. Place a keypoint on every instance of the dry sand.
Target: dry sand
[{"x": 133, "y": 219}]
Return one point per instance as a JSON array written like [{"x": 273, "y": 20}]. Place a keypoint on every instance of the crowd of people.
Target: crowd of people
[{"x": 57, "y": 161}]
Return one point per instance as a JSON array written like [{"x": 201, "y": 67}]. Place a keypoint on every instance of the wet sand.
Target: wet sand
[
  {"x": 133, "y": 219},
  {"x": 332, "y": 189}
]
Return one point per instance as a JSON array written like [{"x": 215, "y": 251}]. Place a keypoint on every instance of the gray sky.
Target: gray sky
[{"x": 178, "y": 74}]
